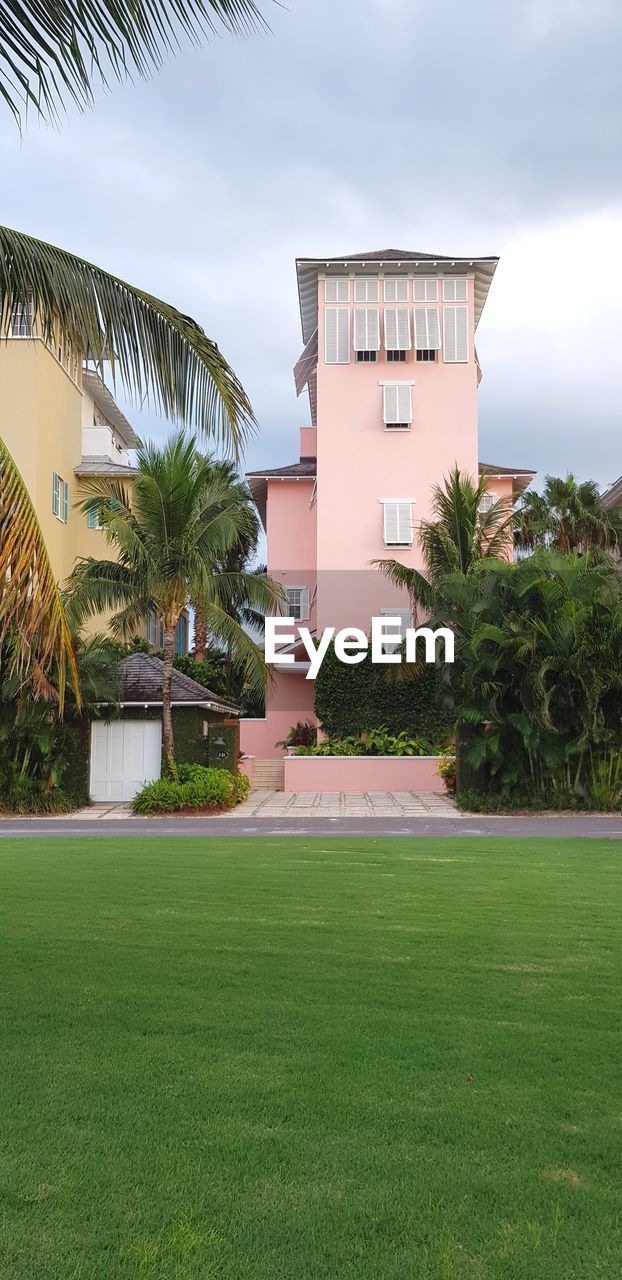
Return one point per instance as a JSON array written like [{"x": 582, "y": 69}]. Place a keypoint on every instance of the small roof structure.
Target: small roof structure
[
  {"x": 306, "y": 469},
  {"x": 612, "y": 497},
  {"x": 92, "y": 466},
  {"x": 96, "y": 388},
  {"x": 521, "y": 476},
  {"x": 142, "y": 676}
]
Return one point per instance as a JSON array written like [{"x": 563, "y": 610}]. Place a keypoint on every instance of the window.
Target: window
[
  {"x": 398, "y": 356},
  {"x": 427, "y": 329},
  {"x": 337, "y": 335},
  {"x": 366, "y": 357},
  {"x": 21, "y": 320},
  {"x": 455, "y": 335},
  {"x": 405, "y": 618},
  {"x": 396, "y": 290},
  {"x": 297, "y": 603},
  {"x": 397, "y": 406},
  {"x": 337, "y": 289},
  {"x": 397, "y": 329},
  {"x": 487, "y": 501},
  {"x": 455, "y": 289},
  {"x": 181, "y": 636},
  {"x": 60, "y": 498},
  {"x": 425, "y": 289},
  {"x": 92, "y": 520},
  {"x": 398, "y": 525},
  {"x": 425, "y": 355},
  {"x": 366, "y": 329},
  {"x": 365, "y": 290}
]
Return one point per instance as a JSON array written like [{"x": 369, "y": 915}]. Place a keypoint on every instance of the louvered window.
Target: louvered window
[
  {"x": 396, "y": 290},
  {"x": 92, "y": 520},
  {"x": 397, "y": 329},
  {"x": 427, "y": 329},
  {"x": 297, "y": 603},
  {"x": 455, "y": 289},
  {"x": 398, "y": 526},
  {"x": 425, "y": 289},
  {"x": 21, "y": 320},
  {"x": 366, "y": 329},
  {"x": 397, "y": 406},
  {"x": 337, "y": 289},
  {"x": 455, "y": 335},
  {"x": 365, "y": 290},
  {"x": 60, "y": 498},
  {"x": 486, "y": 503},
  {"x": 337, "y": 335},
  {"x": 405, "y": 618}
]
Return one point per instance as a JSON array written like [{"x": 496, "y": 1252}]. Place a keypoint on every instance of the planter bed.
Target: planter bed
[{"x": 362, "y": 773}]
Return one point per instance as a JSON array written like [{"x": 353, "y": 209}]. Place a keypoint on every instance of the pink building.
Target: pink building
[{"x": 391, "y": 370}]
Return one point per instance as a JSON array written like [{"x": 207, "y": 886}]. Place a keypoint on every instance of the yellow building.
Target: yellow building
[{"x": 63, "y": 427}]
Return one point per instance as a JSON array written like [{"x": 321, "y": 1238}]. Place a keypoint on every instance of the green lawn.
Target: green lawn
[{"x": 250, "y": 1059}]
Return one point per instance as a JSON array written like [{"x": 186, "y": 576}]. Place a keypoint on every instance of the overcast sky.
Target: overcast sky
[{"x": 425, "y": 125}]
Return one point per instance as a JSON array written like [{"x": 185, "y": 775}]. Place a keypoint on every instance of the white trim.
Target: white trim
[
  {"x": 396, "y": 382},
  {"x": 383, "y": 500}
]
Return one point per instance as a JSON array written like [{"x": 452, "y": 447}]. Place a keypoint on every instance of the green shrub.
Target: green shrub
[
  {"x": 349, "y": 698},
  {"x": 374, "y": 742},
  {"x": 196, "y": 788}
]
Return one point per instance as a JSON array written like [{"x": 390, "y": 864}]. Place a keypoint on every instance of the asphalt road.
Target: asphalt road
[{"x": 594, "y": 826}]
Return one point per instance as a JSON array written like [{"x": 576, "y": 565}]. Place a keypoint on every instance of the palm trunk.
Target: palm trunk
[
  {"x": 167, "y": 712},
  {"x": 200, "y": 634}
]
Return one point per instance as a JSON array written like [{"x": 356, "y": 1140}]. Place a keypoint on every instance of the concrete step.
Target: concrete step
[{"x": 268, "y": 775}]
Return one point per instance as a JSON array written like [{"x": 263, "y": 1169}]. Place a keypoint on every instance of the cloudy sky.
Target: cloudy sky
[{"x": 425, "y": 125}]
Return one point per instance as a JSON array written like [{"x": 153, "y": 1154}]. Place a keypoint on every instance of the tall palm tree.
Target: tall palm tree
[
  {"x": 235, "y": 560},
  {"x": 567, "y": 516},
  {"x": 459, "y": 537},
  {"x": 159, "y": 354},
  {"x": 170, "y": 535},
  {"x": 51, "y": 52}
]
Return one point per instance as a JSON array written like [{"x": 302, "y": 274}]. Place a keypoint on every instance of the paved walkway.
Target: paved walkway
[{"x": 356, "y": 804}]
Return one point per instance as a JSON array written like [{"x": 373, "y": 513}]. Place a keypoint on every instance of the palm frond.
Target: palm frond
[
  {"x": 31, "y": 608},
  {"x": 51, "y": 52},
  {"x": 162, "y": 357}
]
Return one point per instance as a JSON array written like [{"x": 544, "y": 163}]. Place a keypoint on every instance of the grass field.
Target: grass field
[{"x": 252, "y": 1060}]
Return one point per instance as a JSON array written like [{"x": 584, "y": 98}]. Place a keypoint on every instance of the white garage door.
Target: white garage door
[{"x": 124, "y": 756}]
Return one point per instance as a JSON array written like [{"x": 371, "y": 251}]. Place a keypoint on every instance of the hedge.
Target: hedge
[{"x": 351, "y": 699}]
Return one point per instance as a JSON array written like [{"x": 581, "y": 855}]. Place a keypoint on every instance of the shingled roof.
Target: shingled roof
[
  {"x": 521, "y": 476},
  {"x": 142, "y": 676}
]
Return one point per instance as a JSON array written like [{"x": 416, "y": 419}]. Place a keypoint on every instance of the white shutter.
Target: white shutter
[
  {"x": 425, "y": 289},
  {"x": 337, "y": 335},
  {"x": 486, "y": 501},
  {"x": 396, "y": 290},
  {"x": 455, "y": 335},
  {"x": 366, "y": 329},
  {"x": 397, "y": 404},
  {"x": 455, "y": 289},
  {"x": 397, "y": 329},
  {"x": 398, "y": 524},
  {"x": 427, "y": 329},
  {"x": 365, "y": 290},
  {"x": 337, "y": 289},
  {"x": 304, "y": 604}
]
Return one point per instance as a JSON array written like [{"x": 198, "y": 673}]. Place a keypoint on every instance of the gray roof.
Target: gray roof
[
  {"x": 612, "y": 497},
  {"x": 92, "y": 466},
  {"x": 141, "y": 682},
  {"x": 308, "y": 270},
  {"x": 96, "y": 388},
  {"x": 306, "y": 469},
  {"x": 521, "y": 476}
]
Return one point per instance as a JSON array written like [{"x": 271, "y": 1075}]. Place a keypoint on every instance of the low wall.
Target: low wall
[
  {"x": 246, "y": 767},
  {"x": 362, "y": 773}
]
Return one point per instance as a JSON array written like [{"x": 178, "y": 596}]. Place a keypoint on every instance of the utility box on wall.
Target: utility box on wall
[{"x": 223, "y": 745}]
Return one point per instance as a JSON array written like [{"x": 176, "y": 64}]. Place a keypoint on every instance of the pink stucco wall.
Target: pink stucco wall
[
  {"x": 362, "y": 773},
  {"x": 289, "y": 699}
]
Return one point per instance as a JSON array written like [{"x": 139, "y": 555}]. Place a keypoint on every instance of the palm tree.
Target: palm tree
[
  {"x": 50, "y": 52},
  {"x": 170, "y": 535},
  {"x": 234, "y": 561},
  {"x": 159, "y": 354},
  {"x": 457, "y": 540},
  {"x": 567, "y": 516}
]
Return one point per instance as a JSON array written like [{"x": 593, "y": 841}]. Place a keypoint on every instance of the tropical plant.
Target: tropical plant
[
  {"x": 169, "y": 534},
  {"x": 197, "y": 787},
  {"x": 50, "y": 53},
  {"x": 374, "y": 742},
  {"x": 567, "y": 516},
  {"x": 301, "y": 734},
  {"x": 540, "y": 680},
  {"x": 458, "y": 538}
]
